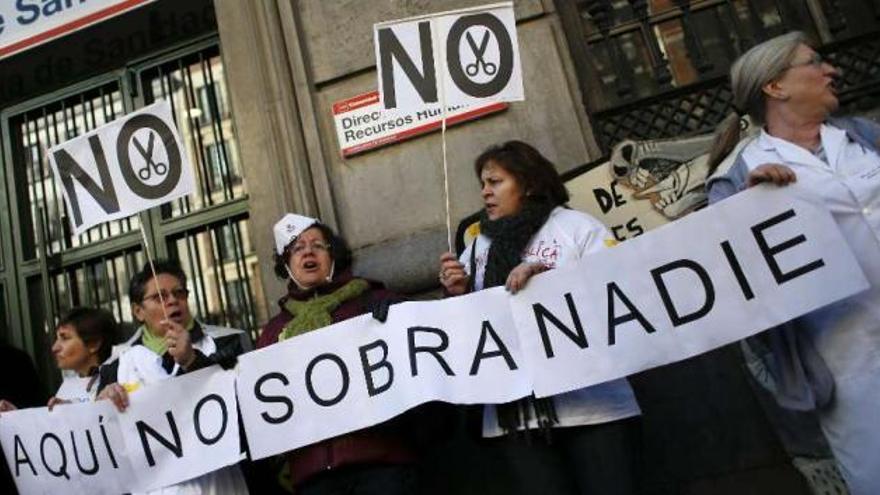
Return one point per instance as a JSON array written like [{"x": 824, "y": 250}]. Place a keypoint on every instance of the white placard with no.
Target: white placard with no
[
  {"x": 133, "y": 163},
  {"x": 462, "y": 57}
]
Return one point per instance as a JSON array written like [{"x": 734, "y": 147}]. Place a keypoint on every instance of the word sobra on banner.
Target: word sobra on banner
[
  {"x": 358, "y": 372},
  {"x": 362, "y": 124},
  {"x": 753, "y": 261},
  {"x": 172, "y": 431},
  {"x": 133, "y": 163},
  {"x": 461, "y": 57},
  {"x": 717, "y": 276},
  {"x": 28, "y": 23}
]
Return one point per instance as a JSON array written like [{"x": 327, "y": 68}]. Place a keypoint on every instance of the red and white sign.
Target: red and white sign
[
  {"x": 362, "y": 124},
  {"x": 27, "y": 23}
]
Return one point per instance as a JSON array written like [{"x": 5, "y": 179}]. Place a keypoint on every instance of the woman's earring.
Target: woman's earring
[{"x": 332, "y": 269}]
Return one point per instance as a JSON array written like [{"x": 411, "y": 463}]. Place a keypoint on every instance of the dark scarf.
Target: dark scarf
[{"x": 510, "y": 236}]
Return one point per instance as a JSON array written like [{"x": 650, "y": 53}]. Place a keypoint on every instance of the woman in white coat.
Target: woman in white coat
[
  {"x": 83, "y": 341},
  {"x": 785, "y": 85},
  {"x": 170, "y": 343},
  {"x": 587, "y": 440}
]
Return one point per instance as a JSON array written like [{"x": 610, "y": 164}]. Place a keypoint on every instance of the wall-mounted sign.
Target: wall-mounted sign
[
  {"x": 27, "y": 23},
  {"x": 362, "y": 124}
]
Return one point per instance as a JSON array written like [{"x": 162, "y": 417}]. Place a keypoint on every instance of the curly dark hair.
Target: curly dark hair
[
  {"x": 93, "y": 325},
  {"x": 137, "y": 288},
  {"x": 532, "y": 170},
  {"x": 340, "y": 253}
]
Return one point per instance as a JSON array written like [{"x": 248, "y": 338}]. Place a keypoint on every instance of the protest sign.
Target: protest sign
[
  {"x": 133, "y": 163},
  {"x": 173, "y": 431},
  {"x": 360, "y": 372},
  {"x": 179, "y": 429},
  {"x": 75, "y": 448},
  {"x": 724, "y": 273},
  {"x": 755, "y": 260},
  {"x": 461, "y": 57}
]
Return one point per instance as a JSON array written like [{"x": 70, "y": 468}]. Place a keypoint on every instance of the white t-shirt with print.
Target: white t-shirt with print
[{"x": 566, "y": 237}]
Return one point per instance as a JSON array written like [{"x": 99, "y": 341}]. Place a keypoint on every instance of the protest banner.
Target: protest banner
[
  {"x": 458, "y": 57},
  {"x": 719, "y": 275},
  {"x": 751, "y": 262},
  {"x": 75, "y": 448},
  {"x": 179, "y": 429},
  {"x": 755, "y": 260},
  {"x": 360, "y": 372},
  {"x": 131, "y": 164},
  {"x": 171, "y": 432}
]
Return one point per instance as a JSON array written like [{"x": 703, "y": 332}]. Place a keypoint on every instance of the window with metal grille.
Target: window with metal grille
[
  {"x": 55, "y": 270},
  {"x": 658, "y": 68}
]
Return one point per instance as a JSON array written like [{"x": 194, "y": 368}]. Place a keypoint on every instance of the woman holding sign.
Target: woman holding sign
[
  {"x": 322, "y": 291},
  {"x": 84, "y": 339},
  {"x": 588, "y": 439},
  {"x": 171, "y": 343}
]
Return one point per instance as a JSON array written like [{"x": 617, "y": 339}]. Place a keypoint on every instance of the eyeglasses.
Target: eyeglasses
[
  {"x": 179, "y": 293},
  {"x": 815, "y": 60},
  {"x": 300, "y": 247}
]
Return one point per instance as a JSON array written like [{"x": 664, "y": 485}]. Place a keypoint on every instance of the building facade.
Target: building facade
[{"x": 252, "y": 85}]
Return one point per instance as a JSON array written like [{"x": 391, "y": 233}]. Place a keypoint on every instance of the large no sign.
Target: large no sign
[
  {"x": 131, "y": 164},
  {"x": 460, "y": 57}
]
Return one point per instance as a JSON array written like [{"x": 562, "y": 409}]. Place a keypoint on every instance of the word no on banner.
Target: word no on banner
[
  {"x": 462, "y": 57},
  {"x": 171, "y": 432},
  {"x": 131, "y": 164},
  {"x": 755, "y": 260}
]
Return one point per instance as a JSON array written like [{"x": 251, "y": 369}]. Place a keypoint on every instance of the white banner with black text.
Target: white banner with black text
[{"x": 753, "y": 261}]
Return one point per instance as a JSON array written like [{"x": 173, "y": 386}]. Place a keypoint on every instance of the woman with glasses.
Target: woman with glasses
[
  {"x": 169, "y": 343},
  {"x": 827, "y": 360},
  {"x": 322, "y": 291}
]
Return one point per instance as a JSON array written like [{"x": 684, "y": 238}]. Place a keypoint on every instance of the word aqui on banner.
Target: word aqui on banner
[
  {"x": 25, "y": 24},
  {"x": 459, "y": 57},
  {"x": 172, "y": 431},
  {"x": 131, "y": 164},
  {"x": 721, "y": 274},
  {"x": 362, "y": 124}
]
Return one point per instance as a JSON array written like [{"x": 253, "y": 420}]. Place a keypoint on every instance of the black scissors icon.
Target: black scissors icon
[
  {"x": 151, "y": 166},
  {"x": 488, "y": 67}
]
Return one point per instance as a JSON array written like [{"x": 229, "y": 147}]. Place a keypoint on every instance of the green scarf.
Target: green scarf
[
  {"x": 315, "y": 312},
  {"x": 156, "y": 343}
]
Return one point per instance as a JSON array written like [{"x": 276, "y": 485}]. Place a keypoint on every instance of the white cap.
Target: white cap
[{"x": 289, "y": 228}]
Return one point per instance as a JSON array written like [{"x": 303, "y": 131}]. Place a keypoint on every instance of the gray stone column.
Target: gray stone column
[{"x": 268, "y": 87}]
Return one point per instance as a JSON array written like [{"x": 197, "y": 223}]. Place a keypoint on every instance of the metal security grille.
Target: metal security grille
[
  {"x": 208, "y": 230},
  {"x": 45, "y": 270},
  {"x": 46, "y": 225},
  {"x": 658, "y": 68}
]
